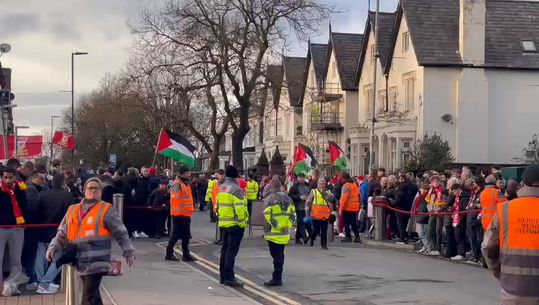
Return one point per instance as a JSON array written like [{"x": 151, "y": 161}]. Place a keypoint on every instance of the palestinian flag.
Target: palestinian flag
[
  {"x": 337, "y": 157},
  {"x": 176, "y": 147},
  {"x": 304, "y": 159}
]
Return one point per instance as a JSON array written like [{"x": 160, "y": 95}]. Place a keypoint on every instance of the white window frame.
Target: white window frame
[
  {"x": 409, "y": 94},
  {"x": 405, "y": 42}
]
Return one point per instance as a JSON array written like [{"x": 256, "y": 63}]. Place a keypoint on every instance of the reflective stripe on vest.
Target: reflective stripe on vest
[
  {"x": 232, "y": 211},
  {"x": 319, "y": 208},
  {"x": 519, "y": 246},
  {"x": 350, "y": 197},
  {"x": 252, "y": 190},
  {"x": 278, "y": 220},
  {"x": 181, "y": 202},
  {"x": 490, "y": 198},
  {"x": 91, "y": 227}
]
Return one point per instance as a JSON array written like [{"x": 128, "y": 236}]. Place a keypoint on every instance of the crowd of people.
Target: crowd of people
[{"x": 444, "y": 213}]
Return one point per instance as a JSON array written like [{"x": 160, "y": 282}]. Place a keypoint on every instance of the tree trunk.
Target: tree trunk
[
  {"x": 213, "y": 163},
  {"x": 238, "y": 136}
]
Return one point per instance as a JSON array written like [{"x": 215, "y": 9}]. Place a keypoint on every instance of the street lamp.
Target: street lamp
[
  {"x": 52, "y": 131},
  {"x": 73, "y": 54},
  {"x": 16, "y": 142},
  {"x": 4, "y": 127}
]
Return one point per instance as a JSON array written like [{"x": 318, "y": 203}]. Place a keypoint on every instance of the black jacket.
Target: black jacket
[
  {"x": 373, "y": 184},
  {"x": 159, "y": 198},
  {"x": 33, "y": 192},
  {"x": 6, "y": 211},
  {"x": 422, "y": 208},
  {"x": 405, "y": 196},
  {"x": 51, "y": 208},
  {"x": 142, "y": 191},
  {"x": 295, "y": 195}
]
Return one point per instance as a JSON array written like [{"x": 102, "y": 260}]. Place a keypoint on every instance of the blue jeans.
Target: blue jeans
[
  {"x": 45, "y": 272},
  {"x": 423, "y": 231}
]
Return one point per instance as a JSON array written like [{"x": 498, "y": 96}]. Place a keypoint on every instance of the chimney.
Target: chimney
[{"x": 472, "y": 31}]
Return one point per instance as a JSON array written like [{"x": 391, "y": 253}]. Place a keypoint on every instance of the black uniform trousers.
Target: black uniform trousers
[
  {"x": 181, "y": 229},
  {"x": 320, "y": 227},
  {"x": 277, "y": 253},
  {"x": 350, "y": 223},
  {"x": 90, "y": 289},
  {"x": 232, "y": 237},
  {"x": 475, "y": 236}
]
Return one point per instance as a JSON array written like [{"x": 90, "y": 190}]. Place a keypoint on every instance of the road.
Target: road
[{"x": 346, "y": 274}]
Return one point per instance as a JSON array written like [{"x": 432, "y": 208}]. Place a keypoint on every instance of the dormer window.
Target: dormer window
[{"x": 528, "y": 46}]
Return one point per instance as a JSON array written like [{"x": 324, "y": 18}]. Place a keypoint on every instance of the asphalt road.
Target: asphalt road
[{"x": 357, "y": 274}]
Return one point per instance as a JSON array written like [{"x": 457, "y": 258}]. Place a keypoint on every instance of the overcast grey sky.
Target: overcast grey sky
[{"x": 43, "y": 34}]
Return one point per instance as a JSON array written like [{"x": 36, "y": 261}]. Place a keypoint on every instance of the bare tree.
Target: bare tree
[{"x": 235, "y": 37}]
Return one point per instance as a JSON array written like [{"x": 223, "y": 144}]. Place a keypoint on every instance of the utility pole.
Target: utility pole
[{"x": 375, "y": 70}]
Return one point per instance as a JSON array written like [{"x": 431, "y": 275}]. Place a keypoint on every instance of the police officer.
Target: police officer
[
  {"x": 349, "y": 208},
  {"x": 232, "y": 218},
  {"x": 511, "y": 244},
  {"x": 280, "y": 215},
  {"x": 181, "y": 209},
  {"x": 252, "y": 193}
]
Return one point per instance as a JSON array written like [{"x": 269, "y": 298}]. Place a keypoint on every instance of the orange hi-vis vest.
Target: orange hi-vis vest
[
  {"x": 181, "y": 201},
  {"x": 319, "y": 208},
  {"x": 350, "y": 198},
  {"x": 519, "y": 246},
  {"x": 88, "y": 227},
  {"x": 214, "y": 193},
  {"x": 490, "y": 198}
]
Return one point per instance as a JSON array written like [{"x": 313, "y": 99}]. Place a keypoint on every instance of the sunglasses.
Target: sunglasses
[{"x": 93, "y": 188}]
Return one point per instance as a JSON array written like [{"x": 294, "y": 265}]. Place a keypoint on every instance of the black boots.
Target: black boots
[{"x": 273, "y": 283}]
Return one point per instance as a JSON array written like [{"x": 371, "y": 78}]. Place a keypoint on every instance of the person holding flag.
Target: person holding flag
[{"x": 176, "y": 147}]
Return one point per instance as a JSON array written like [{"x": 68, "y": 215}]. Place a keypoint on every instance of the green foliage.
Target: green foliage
[{"x": 430, "y": 153}]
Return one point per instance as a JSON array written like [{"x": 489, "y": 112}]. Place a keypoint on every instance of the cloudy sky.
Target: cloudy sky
[{"x": 43, "y": 34}]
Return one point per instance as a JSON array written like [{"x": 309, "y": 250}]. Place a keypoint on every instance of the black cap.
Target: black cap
[
  {"x": 231, "y": 172},
  {"x": 530, "y": 176}
]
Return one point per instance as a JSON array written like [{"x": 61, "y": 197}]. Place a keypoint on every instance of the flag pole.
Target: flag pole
[{"x": 155, "y": 153}]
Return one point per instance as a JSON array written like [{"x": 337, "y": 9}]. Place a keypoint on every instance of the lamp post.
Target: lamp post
[
  {"x": 16, "y": 141},
  {"x": 73, "y": 54},
  {"x": 4, "y": 127},
  {"x": 52, "y": 131}
]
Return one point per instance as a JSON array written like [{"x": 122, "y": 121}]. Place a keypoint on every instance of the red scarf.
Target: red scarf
[
  {"x": 456, "y": 216},
  {"x": 418, "y": 201},
  {"x": 438, "y": 195},
  {"x": 19, "y": 219}
]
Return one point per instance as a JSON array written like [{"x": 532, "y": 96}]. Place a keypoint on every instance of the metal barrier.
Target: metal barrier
[
  {"x": 379, "y": 222},
  {"x": 118, "y": 203},
  {"x": 70, "y": 285}
]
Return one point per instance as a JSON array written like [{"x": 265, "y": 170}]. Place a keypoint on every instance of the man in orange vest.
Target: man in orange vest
[
  {"x": 490, "y": 198},
  {"x": 181, "y": 209},
  {"x": 349, "y": 207},
  {"x": 511, "y": 244}
]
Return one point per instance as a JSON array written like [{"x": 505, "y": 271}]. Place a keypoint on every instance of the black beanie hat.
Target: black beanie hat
[
  {"x": 183, "y": 170},
  {"x": 231, "y": 172}
]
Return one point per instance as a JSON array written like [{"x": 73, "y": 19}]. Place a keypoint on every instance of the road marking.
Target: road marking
[
  {"x": 250, "y": 286},
  {"x": 109, "y": 296}
]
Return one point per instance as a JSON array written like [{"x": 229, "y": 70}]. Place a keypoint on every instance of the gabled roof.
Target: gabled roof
[
  {"x": 347, "y": 47},
  {"x": 434, "y": 32},
  {"x": 318, "y": 52},
  {"x": 507, "y": 24},
  {"x": 275, "y": 78},
  {"x": 294, "y": 69},
  {"x": 386, "y": 25}
]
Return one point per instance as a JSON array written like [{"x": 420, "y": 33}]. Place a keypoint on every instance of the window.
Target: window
[
  {"x": 299, "y": 130},
  {"x": 529, "y": 46},
  {"x": 393, "y": 161},
  {"x": 382, "y": 100},
  {"x": 355, "y": 159},
  {"x": 365, "y": 157},
  {"x": 369, "y": 99},
  {"x": 393, "y": 98},
  {"x": 406, "y": 152},
  {"x": 405, "y": 42},
  {"x": 373, "y": 54},
  {"x": 409, "y": 93}
]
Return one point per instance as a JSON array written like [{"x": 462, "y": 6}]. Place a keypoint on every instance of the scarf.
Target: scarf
[
  {"x": 417, "y": 202},
  {"x": 437, "y": 196},
  {"x": 19, "y": 219},
  {"x": 456, "y": 216}
]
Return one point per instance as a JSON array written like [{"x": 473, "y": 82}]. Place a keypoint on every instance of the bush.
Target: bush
[{"x": 429, "y": 153}]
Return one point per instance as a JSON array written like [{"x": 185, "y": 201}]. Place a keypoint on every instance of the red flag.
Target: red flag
[
  {"x": 28, "y": 146},
  {"x": 64, "y": 140}
]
